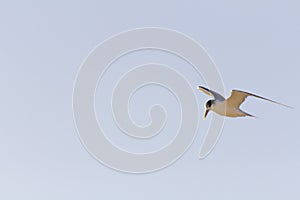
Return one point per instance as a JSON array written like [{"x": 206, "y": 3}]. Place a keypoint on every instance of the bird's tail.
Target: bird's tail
[{"x": 247, "y": 114}]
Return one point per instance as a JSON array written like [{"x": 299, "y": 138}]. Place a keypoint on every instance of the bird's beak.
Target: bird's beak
[{"x": 206, "y": 112}]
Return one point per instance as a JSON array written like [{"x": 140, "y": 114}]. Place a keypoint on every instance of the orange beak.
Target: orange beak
[{"x": 206, "y": 112}]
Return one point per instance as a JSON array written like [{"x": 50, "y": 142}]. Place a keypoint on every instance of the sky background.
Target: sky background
[{"x": 255, "y": 45}]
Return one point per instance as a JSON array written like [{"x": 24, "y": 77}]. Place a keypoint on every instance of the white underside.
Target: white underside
[{"x": 222, "y": 108}]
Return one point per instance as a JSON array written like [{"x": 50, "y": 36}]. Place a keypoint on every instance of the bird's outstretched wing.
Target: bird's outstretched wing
[
  {"x": 237, "y": 97},
  {"x": 214, "y": 94}
]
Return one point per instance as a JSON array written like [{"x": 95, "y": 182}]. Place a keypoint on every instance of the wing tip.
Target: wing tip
[
  {"x": 201, "y": 87},
  {"x": 290, "y": 107}
]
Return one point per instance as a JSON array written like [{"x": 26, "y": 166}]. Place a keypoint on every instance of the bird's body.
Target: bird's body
[
  {"x": 229, "y": 107},
  {"x": 223, "y": 108}
]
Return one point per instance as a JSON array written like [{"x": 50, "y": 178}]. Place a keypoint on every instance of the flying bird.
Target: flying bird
[{"x": 229, "y": 107}]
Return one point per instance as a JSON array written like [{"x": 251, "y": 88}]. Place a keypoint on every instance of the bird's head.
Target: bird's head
[{"x": 208, "y": 106}]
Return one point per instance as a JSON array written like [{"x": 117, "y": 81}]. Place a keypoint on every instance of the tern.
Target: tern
[{"x": 230, "y": 107}]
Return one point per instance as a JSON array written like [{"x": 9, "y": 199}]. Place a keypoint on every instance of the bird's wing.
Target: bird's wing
[
  {"x": 214, "y": 94},
  {"x": 238, "y": 97}
]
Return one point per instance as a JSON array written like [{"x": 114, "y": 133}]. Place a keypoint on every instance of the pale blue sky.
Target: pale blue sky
[{"x": 255, "y": 45}]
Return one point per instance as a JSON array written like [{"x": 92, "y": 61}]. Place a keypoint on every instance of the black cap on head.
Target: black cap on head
[{"x": 209, "y": 103}]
